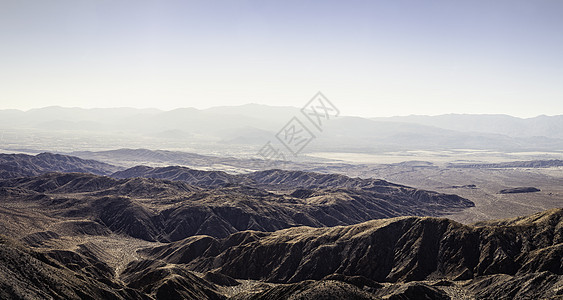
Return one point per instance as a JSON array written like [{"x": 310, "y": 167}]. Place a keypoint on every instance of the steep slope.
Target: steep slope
[
  {"x": 26, "y": 274},
  {"x": 393, "y": 250},
  {"x": 167, "y": 282},
  {"x": 20, "y": 165}
]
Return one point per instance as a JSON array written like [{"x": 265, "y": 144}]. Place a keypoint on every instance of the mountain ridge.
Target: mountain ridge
[
  {"x": 21, "y": 165},
  {"x": 410, "y": 249},
  {"x": 165, "y": 210}
]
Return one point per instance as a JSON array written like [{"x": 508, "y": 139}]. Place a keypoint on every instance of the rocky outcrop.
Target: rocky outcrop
[{"x": 518, "y": 190}]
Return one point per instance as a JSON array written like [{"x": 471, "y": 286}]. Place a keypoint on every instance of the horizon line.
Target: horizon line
[{"x": 272, "y": 106}]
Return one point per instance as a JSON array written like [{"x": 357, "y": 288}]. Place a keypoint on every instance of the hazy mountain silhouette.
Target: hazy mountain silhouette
[
  {"x": 547, "y": 126},
  {"x": 256, "y": 124}
]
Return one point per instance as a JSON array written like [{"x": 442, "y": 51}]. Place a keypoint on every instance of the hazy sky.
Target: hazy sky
[{"x": 371, "y": 58}]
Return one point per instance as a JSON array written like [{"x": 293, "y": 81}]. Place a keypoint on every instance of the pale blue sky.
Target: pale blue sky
[{"x": 371, "y": 58}]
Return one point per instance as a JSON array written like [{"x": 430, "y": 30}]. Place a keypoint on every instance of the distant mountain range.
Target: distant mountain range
[
  {"x": 253, "y": 125},
  {"x": 540, "y": 126}
]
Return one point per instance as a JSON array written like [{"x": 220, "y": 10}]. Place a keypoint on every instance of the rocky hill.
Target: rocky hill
[
  {"x": 188, "y": 175},
  {"x": 20, "y": 165}
]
